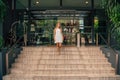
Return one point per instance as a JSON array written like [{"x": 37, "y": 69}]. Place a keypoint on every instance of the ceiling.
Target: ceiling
[
  {"x": 57, "y": 4},
  {"x": 57, "y": 8}
]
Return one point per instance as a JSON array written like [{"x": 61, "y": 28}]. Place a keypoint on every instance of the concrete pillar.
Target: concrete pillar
[
  {"x": 78, "y": 39},
  {"x": 1, "y": 29},
  {"x": 1, "y": 72},
  {"x": 92, "y": 18},
  {"x": 96, "y": 39}
]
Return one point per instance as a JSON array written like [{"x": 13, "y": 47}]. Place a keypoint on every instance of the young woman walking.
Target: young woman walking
[{"x": 58, "y": 35}]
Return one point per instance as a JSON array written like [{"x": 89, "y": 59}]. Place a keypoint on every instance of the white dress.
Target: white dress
[{"x": 58, "y": 36}]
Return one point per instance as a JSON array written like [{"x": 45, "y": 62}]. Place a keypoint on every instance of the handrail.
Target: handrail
[
  {"x": 115, "y": 53},
  {"x": 103, "y": 39},
  {"x": 14, "y": 24},
  {"x": 107, "y": 44},
  {"x": 14, "y": 45},
  {"x": 7, "y": 54}
]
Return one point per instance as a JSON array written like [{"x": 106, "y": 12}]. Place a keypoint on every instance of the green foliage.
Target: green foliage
[
  {"x": 47, "y": 25},
  {"x": 116, "y": 35},
  {"x": 113, "y": 11},
  {"x": 115, "y": 17},
  {"x": 2, "y": 10},
  {"x": 96, "y": 24},
  {"x": 112, "y": 8},
  {"x": 1, "y": 42}
]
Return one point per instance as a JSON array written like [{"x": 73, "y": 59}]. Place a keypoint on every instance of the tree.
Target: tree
[
  {"x": 2, "y": 14},
  {"x": 1, "y": 42},
  {"x": 112, "y": 8},
  {"x": 2, "y": 10}
]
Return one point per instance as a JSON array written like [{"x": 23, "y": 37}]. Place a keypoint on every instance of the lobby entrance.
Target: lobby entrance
[
  {"x": 39, "y": 30},
  {"x": 39, "y": 17}
]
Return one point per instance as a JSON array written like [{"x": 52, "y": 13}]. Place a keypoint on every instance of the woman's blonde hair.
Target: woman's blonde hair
[{"x": 58, "y": 23}]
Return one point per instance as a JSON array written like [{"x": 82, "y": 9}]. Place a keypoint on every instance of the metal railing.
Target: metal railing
[
  {"x": 15, "y": 43},
  {"x": 11, "y": 55},
  {"x": 86, "y": 38},
  {"x": 113, "y": 50},
  {"x": 47, "y": 38}
]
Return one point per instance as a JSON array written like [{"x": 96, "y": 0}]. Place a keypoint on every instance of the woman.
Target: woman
[{"x": 58, "y": 36}]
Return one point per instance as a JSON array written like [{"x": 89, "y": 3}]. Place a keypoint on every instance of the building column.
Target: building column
[
  {"x": 1, "y": 72},
  {"x": 29, "y": 20},
  {"x": 1, "y": 28},
  {"x": 92, "y": 18}
]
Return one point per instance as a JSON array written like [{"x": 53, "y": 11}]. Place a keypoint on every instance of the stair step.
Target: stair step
[
  {"x": 53, "y": 52},
  {"x": 60, "y": 75},
  {"x": 64, "y": 59},
  {"x": 50, "y": 50},
  {"x": 45, "y": 63},
  {"x": 81, "y": 71},
  {"x": 87, "y": 65},
  {"x": 75, "y": 78},
  {"x": 63, "y": 49},
  {"x": 60, "y": 66},
  {"x": 35, "y": 61},
  {"x": 64, "y": 52},
  {"x": 73, "y": 63},
  {"x": 63, "y": 78},
  {"x": 56, "y": 55}
]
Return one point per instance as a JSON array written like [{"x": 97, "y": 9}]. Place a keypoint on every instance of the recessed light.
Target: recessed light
[
  {"x": 37, "y": 2},
  {"x": 86, "y": 2}
]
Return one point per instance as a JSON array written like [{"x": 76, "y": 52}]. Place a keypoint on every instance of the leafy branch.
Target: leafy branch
[
  {"x": 112, "y": 9},
  {"x": 2, "y": 10},
  {"x": 1, "y": 42}
]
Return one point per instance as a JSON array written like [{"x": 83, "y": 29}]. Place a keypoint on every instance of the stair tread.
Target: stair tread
[
  {"x": 44, "y": 62},
  {"x": 73, "y": 68},
  {"x": 60, "y": 75}
]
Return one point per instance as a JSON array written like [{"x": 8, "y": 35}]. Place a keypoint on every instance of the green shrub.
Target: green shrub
[
  {"x": 1, "y": 42},
  {"x": 112, "y": 8}
]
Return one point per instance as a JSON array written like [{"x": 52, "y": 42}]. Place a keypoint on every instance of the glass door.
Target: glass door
[{"x": 40, "y": 29}]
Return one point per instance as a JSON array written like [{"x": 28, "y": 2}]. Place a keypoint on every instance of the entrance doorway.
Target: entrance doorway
[
  {"x": 76, "y": 16},
  {"x": 40, "y": 26}
]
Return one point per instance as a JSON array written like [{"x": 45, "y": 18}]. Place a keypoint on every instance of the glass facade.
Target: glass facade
[{"x": 75, "y": 16}]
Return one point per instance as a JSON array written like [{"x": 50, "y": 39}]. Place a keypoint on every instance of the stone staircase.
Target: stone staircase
[{"x": 70, "y": 63}]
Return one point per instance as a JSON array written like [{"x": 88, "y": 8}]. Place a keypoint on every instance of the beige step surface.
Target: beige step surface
[{"x": 69, "y": 63}]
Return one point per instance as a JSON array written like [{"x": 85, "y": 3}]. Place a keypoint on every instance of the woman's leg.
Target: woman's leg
[
  {"x": 58, "y": 48},
  {"x": 57, "y": 45},
  {"x": 60, "y": 45}
]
